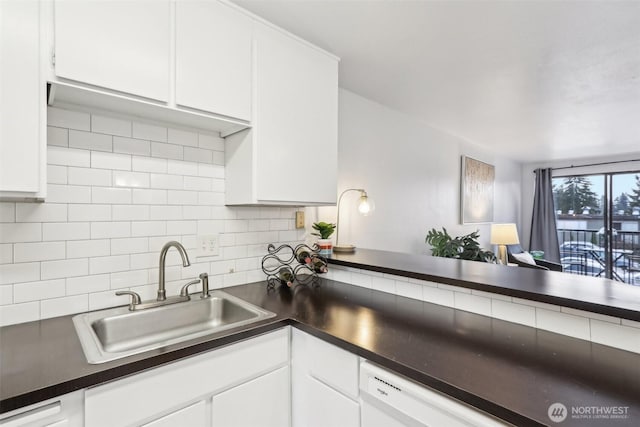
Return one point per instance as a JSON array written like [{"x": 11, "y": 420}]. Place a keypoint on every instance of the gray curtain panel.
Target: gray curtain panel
[{"x": 544, "y": 236}]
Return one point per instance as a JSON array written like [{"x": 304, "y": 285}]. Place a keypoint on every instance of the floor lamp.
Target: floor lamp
[{"x": 365, "y": 207}]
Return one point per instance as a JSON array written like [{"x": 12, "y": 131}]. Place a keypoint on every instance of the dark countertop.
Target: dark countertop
[
  {"x": 512, "y": 371},
  {"x": 581, "y": 292}
]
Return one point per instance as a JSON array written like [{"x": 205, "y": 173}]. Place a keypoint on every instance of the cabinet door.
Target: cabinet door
[
  {"x": 296, "y": 120},
  {"x": 263, "y": 402},
  {"x": 328, "y": 408},
  {"x": 213, "y": 58},
  {"x": 119, "y": 45},
  {"x": 191, "y": 416},
  {"x": 22, "y": 105}
]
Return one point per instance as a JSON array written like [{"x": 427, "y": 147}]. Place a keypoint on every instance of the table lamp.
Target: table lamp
[
  {"x": 503, "y": 235},
  {"x": 365, "y": 207}
]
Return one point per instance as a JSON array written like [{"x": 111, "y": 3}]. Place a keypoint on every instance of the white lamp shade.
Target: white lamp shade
[{"x": 504, "y": 234}]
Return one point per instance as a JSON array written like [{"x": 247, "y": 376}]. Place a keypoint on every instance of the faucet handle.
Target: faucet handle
[
  {"x": 184, "y": 292},
  {"x": 135, "y": 298}
]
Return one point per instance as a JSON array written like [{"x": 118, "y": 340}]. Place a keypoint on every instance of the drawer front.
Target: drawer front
[
  {"x": 334, "y": 366},
  {"x": 62, "y": 411},
  {"x": 142, "y": 397}
]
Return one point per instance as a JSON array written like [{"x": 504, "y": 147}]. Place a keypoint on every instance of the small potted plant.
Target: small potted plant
[{"x": 324, "y": 230}]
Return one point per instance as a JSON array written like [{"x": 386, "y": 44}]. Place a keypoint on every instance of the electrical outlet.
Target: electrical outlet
[
  {"x": 209, "y": 245},
  {"x": 300, "y": 219}
]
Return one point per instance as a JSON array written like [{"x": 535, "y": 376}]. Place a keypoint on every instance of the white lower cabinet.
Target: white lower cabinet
[
  {"x": 324, "y": 384},
  {"x": 164, "y": 394},
  {"x": 62, "y": 411},
  {"x": 193, "y": 416},
  {"x": 261, "y": 402}
]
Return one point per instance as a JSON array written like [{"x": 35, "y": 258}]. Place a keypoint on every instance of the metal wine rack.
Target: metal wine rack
[{"x": 281, "y": 265}]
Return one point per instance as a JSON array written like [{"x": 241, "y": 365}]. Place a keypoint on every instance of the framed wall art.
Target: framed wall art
[{"x": 476, "y": 191}]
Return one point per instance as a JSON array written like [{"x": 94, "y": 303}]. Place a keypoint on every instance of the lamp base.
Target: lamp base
[{"x": 344, "y": 248}]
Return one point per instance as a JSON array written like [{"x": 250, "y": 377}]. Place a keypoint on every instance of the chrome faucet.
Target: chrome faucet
[{"x": 162, "y": 293}]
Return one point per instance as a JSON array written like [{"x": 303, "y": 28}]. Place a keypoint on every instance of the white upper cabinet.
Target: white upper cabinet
[
  {"x": 22, "y": 102},
  {"x": 119, "y": 45},
  {"x": 295, "y": 126},
  {"x": 213, "y": 58}
]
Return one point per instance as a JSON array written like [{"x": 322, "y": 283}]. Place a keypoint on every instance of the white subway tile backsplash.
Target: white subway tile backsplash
[
  {"x": 88, "y": 284},
  {"x": 129, "y": 246},
  {"x": 68, "y": 194},
  {"x": 237, "y": 278},
  {"x": 182, "y": 197},
  {"x": 182, "y": 137},
  {"x": 167, "y": 151},
  {"x": 65, "y": 231},
  {"x": 40, "y": 251},
  {"x": 64, "y": 268},
  {"x": 56, "y": 174},
  {"x": 386, "y": 285},
  {"x": 109, "y": 264},
  {"x": 129, "y": 278},
  {"x": 165, "y": 212},
  {"x": 110, "y": 125},
  {"x": 111, "y": 195},
  {"x": 182, "y": 227},
  {"x": 100, "y": 300},
  {"x": 6, "y": 253},
  {"x": 22, "y": 272},
  {"x": 35, "y": 291},
  {"x": 133, "y": 146},
  {"x": 211, "y": 171},
  {"x": 150, "y": 132},
  {"x": 7, "y": 212},
  {"x": 20, "y": 232},
  {"x": 6, "y": 295},
  {"x": 566, "y": 324},
  {"x": 63, "y": 306},
  {"x": 194, "y": 183},
  {"x": 472, "y": 303},
  {"x": 19, "y": 313},
  {"x": 198, "y": 155},
  {"x": 40, "y": 212},
  {"x": 68, "y": 119},
  {"x": 517, "y": 313},
  {"x": 590, "y": 315},
  {"x": 131, "y": 179},
  {"x": 88, "y": 248},
  {"x": 89, "y": 212},
  {"x": 408, "y": 289},
  {"x": 105, "y": 230},
  {"x": 110, "y": 161},
  {"x": 210, "y": 142},
  {"x": 86, "y": 176},
  {"x": 90, "y": 141},
  {"x": 196, "y": 212},
  {"x": 359, "y": 279},
  {"x": 149, "y": 197},
  {"x": 57, "y": 136},
  {"x": 148, "y": 164},
  {"x": 148, "y": 228},
  {"x": 218, "y": 158},
  {"x": 630, "y": 323},
  {"x": 536, "y": 304},
  {"x": 178, "y": 167},
  {"x": 607, "y": 333},
  {"x": 167, "y": 182},
  {"x": 129, "y": 212},
  {"x": 212, "y": 199},
  {"x": 438, "y": 296},
  {"x": 68, "y": 157}
]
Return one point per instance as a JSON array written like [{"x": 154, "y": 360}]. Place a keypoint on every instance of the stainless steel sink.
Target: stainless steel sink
[{"x": 118, "y": 332}]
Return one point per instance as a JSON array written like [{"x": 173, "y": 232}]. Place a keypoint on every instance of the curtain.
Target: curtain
[{"x": 544, "y": 235}]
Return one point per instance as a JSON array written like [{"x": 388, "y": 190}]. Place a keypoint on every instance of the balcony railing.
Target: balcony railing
[{"x": 582, "y": 252}]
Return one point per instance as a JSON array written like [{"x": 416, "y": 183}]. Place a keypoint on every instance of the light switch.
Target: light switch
[{"x": 300, "y": 219}]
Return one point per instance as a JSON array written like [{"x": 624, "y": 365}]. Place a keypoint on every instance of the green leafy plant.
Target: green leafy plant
[
  {"x": 460, "y": 247},
  {"x": 324, "y": 229}
]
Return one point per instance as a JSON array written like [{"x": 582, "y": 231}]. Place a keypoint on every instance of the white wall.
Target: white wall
[
  {"x": 528, "y": 179},
  {"x": 412, "y": 171},
  {"x": 118, "y": 190}
]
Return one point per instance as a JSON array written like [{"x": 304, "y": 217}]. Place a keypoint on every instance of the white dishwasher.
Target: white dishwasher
[{"x": 389, "y": 400}]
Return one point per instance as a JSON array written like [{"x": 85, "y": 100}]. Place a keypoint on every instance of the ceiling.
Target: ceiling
[{"x": 535, "y": 80}]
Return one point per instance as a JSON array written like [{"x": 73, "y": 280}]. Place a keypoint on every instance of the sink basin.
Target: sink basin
[{"x": 118, "y": 332}]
